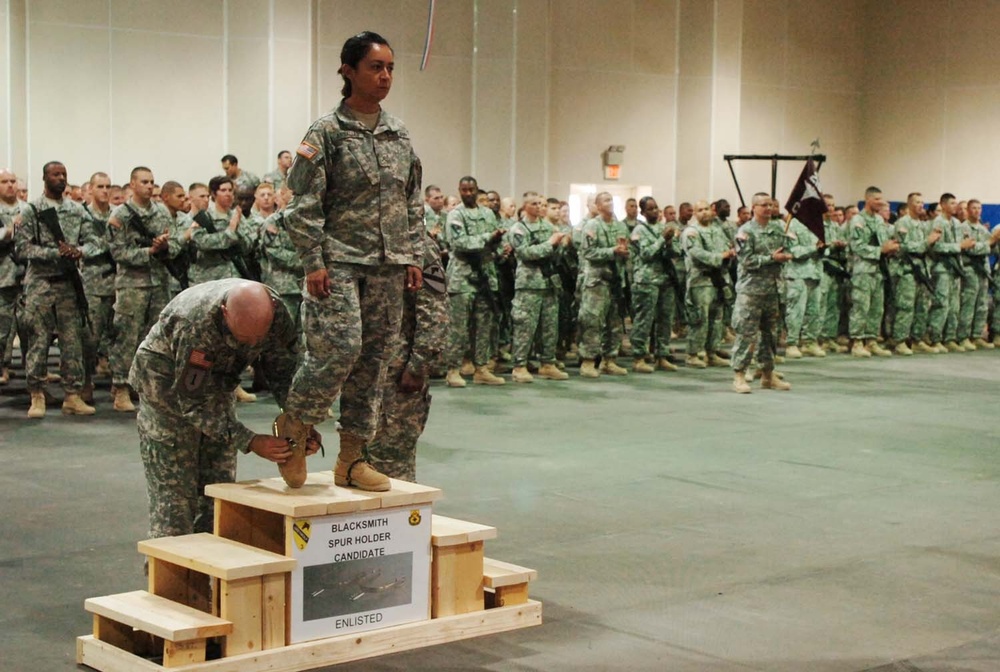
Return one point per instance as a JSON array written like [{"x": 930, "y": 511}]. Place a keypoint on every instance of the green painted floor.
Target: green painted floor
[{"x": 850, "y": 524}]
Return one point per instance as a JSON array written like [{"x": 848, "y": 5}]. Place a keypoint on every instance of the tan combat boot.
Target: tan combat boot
[
  {"x": 939, "y": 348},
  {"x": 695, "y": 362},
  {"x": 244, "y": 397},
  {"x": 980, "y": 343},
  {"x": 715, "y": 360},
  {"x": 37, "y": 409},
  {"x": 483, "y": 376},
  {"x": 642, "y": 366},
  {"x": 73, "y": 405},
  {"x": 996, "y": 341},
  {"x": 843, "y": 340},
  {"x": 903, "y": 349},
  {"x": 878, "y": 350},
  {"x": 5, "y": 376},
  {"x": 740, "y": 385},
  {"x": 552, "y": 372},
  {"x": 352, "y": 469},
  {"x": 922, "y": 346},
  {"x": 468, "y": 368},
  {"x": 859, "y": 350},
  {"x": 588, "y": 370},
  {"x": 454, "y": 378},
  {"x": 521, "y": 375},
  {"x": 664, "y": 364},
  {"x": 296, "y": 432},
  {"x": 121, "y": 400},
  {"x": 952, "y": 346},
  {"x": 967, "y": 345},
  {"x": 813, "y": 350},
  {"x": 87, "y": 393},
  {"x": 769, "y": 381},
  {"x": 793, "y": 352},
  {"x": 610, "y": 367}
]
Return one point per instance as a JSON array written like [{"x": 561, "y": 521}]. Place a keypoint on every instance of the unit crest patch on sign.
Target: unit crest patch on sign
[{"x": 300, "y": 532}]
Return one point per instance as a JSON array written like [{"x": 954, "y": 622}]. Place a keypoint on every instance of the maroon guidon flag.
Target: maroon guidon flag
[{"x": 806, "y": 203}]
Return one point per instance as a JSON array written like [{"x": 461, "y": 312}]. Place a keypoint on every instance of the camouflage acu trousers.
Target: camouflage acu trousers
[
  {"x": 981, "y": 313},
  {"x": 136, "y": 310},
  {"x": 867, "y": 305},
  {"x": 179, "y": 462},
  {"x": 8, "y": 321},
  {"x": 471, "y": 313},
  {"x": 940, "y": 300},
  {"x": 350, "y": 336},
  {"x": 906, "y": 302},
  {"x": 393, "y": 451},
  {"x": 921, "y": 312},
  {"x": 755, "y": 321},
  {"x": 102, "y": 312},
  {"x": 802, "y": 316},
  {"x": 535, "y": 311},
  {"x": 600, "y": 327},
  {"x": 51, "y": 307},
  {"x": 704, "y": 306},
  {"x": 653, "y": 307},
  {"x": 832, "y": 290},
  {"x": 968, "y": 300}
]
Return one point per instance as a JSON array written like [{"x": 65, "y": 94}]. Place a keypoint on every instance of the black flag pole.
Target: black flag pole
[{"x": 774, "y": 159}]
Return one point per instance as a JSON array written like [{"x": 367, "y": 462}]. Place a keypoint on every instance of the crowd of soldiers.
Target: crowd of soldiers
[{"x": 528, "y": 292}]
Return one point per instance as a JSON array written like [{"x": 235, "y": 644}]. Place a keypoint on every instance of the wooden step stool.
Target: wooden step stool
[
  {"x": 250, "y": 585},
  {"x": 506, "y": 584},
  {"x": 183, "y": 629},
  {"x": 457, "y": 571}
]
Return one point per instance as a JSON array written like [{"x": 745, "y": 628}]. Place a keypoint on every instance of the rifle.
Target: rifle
[
  {"x": 920, "y": 271},
  {"x": 883, "y": 265},
  {"x": 206, "y": 222},
  {"x": 50, "y": 218},
  {"x": 836, "y": 270},
  {"x": 177, "y": 268}
]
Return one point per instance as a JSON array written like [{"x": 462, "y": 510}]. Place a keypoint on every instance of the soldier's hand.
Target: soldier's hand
[
  {"x": 314, "y": 442},
  {"x": 781, "y": 256},
  {"x": 414, "y": 278},
  {"x": 498, "y": 234},
  {"x": 820, "y": 245},
  {"x": 318, "y": 283},
  {"x": 234, "y": 221},
  {"x": 934, "y": 236},
  {"x": 668, "y": 233},
  {"x": 621, "y": 251},
  {"x": 967, "y": 244},
  {"x": 68, "y": 251},
  {"x": 410, "y": 383},
  {"x": 729, "y": 254},
  {"x": 271, "y": 448},
  {"x": 555, "y": 239},
  {"x": 840, "y": 243},
  {"x": 190, "y": 230}
]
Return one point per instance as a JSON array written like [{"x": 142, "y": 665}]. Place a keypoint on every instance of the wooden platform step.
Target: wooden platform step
[
  {"x": 508, "y": 583},
  {"x": 182, "y": 628},
  {"x": 216, "y": 556},
  {"x": 453, "y": 532}
]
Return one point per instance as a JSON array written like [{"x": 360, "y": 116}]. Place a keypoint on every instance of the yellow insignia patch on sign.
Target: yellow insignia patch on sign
[
  {"x": 415, "y": 517},
  {"x": 307, "y": 151},
  {"x": 300, "y": 532}
]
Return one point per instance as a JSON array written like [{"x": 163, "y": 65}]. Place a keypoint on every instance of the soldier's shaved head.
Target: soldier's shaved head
[
  {"x": 248, "y": 311},
  {"x": 8, "y": 187}
]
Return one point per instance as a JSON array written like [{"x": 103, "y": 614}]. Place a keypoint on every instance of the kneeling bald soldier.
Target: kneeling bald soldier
[{"x": 185, "y": 372}]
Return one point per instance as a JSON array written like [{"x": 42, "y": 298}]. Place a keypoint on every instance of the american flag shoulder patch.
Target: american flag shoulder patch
[
  {"x": 307, "y": 151},
  {"x": 199, "y": 360}
]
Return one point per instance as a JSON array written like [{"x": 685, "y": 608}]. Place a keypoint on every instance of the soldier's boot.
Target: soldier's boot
[
  {"x": 721, "y": 353},
  {"x": 483, "y": 376},
  {"x": 5, "y": 376},
  {"x": 73, "y": 405},
  {"x": 468, "y": 368},
  {"x": 552, "y": 372},
  {"x": 770, "y": 381},
  {"x": 52, "y": 379},
  {"x": 779, "y": 359},
  {"x": 695, "y": 362},
  {"x": 610, "y": 367},
  {"x": 878, "y": 350},
  {"x": 521, "y": 375},
  {"x": 103, "y": 368},
  {"x": 793, "y": 352},
  {"x": 353, "y": 470},
  {"x": 296, "y": 432},
  {"x": 121, "y": 400},
  {"x": 642, "y": 366},
  {"x": 843, "y": 340},
  {"x": 813, "y": 350},
  {"x": 922, "y": 346},
  {"x": 996, "y": 341},
  {"x": 980, "y": 343},
  {"x": 740, "y": 385},
  {"x": 87, "y": 393},
  {"x": 859, "y": 350},
  {"x": 560, "y": 365},
  {"x": 664, "y": 364},
  {"x": 939, "y": 348},
  {"x": 491, "y": 365},
  {"x": 967, "y": 345},
  {"x": 902, "y": 349},
  {"x": 244, "y": 397},
  {"x": 715, "y": 360},
  {"x": 37, "y": 409},
  {"x": 952, "y": 346},
  {"x": 454, "y": 378},
  {"x": 588, "y": 370},
  {"x": 729, "y": 337}
]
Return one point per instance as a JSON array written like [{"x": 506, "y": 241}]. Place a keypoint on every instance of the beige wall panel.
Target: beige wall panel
[
  {"x": 726, "y": 137},
  {"x": 249, "y": 18},
  {"x": 763, "y": 58},
  {"x": 728, "y": 38},
  {"x": 531, "y": 128},
  {"x": 452, "y": 27},
  {"x": 69, "y": 115},
  {"x": 179, "y": 136},
  {"x": 915, "y": 60},
  {"x": 248, "y": 104},
  {"x": 694, "y": 118},
  {"x": 494, "y": 116},
  {"x": 591, "y": 34},
  {"x": 291, "y": 96},
  {"x": 195, "y": 17},
  {"x": 78, "y": 12},
  {"x": 440, "y": 125},
  {"x": 402, "y": 22},
  {"x": 824, "y": 46},
  {"x": 5, "y": 101},
  {"x": 328, "y": 93},
  {"x": 762, "y": 116},
  {"x": 532, "y": 30},
  {"x": 972, "y": 145},
  {"x": 291, "y": 19},
  {"x": 496, "y": 29},
  {"x": 972, "y": 57},
  {"x": 339, "y": 19},
  {"x": 810, "y": 115},
  {"x": 18, "y": 85},
  {"x": 653, "y": 47},
  {"x": 837, "y": 174},
  {"x": 696, "y": 53}
]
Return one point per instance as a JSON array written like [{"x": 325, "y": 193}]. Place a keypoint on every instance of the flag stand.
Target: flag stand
[{"x": 773, "y": 158}]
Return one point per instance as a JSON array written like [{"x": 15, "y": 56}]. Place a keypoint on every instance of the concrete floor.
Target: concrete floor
[{"x": 847, "y": 525}]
